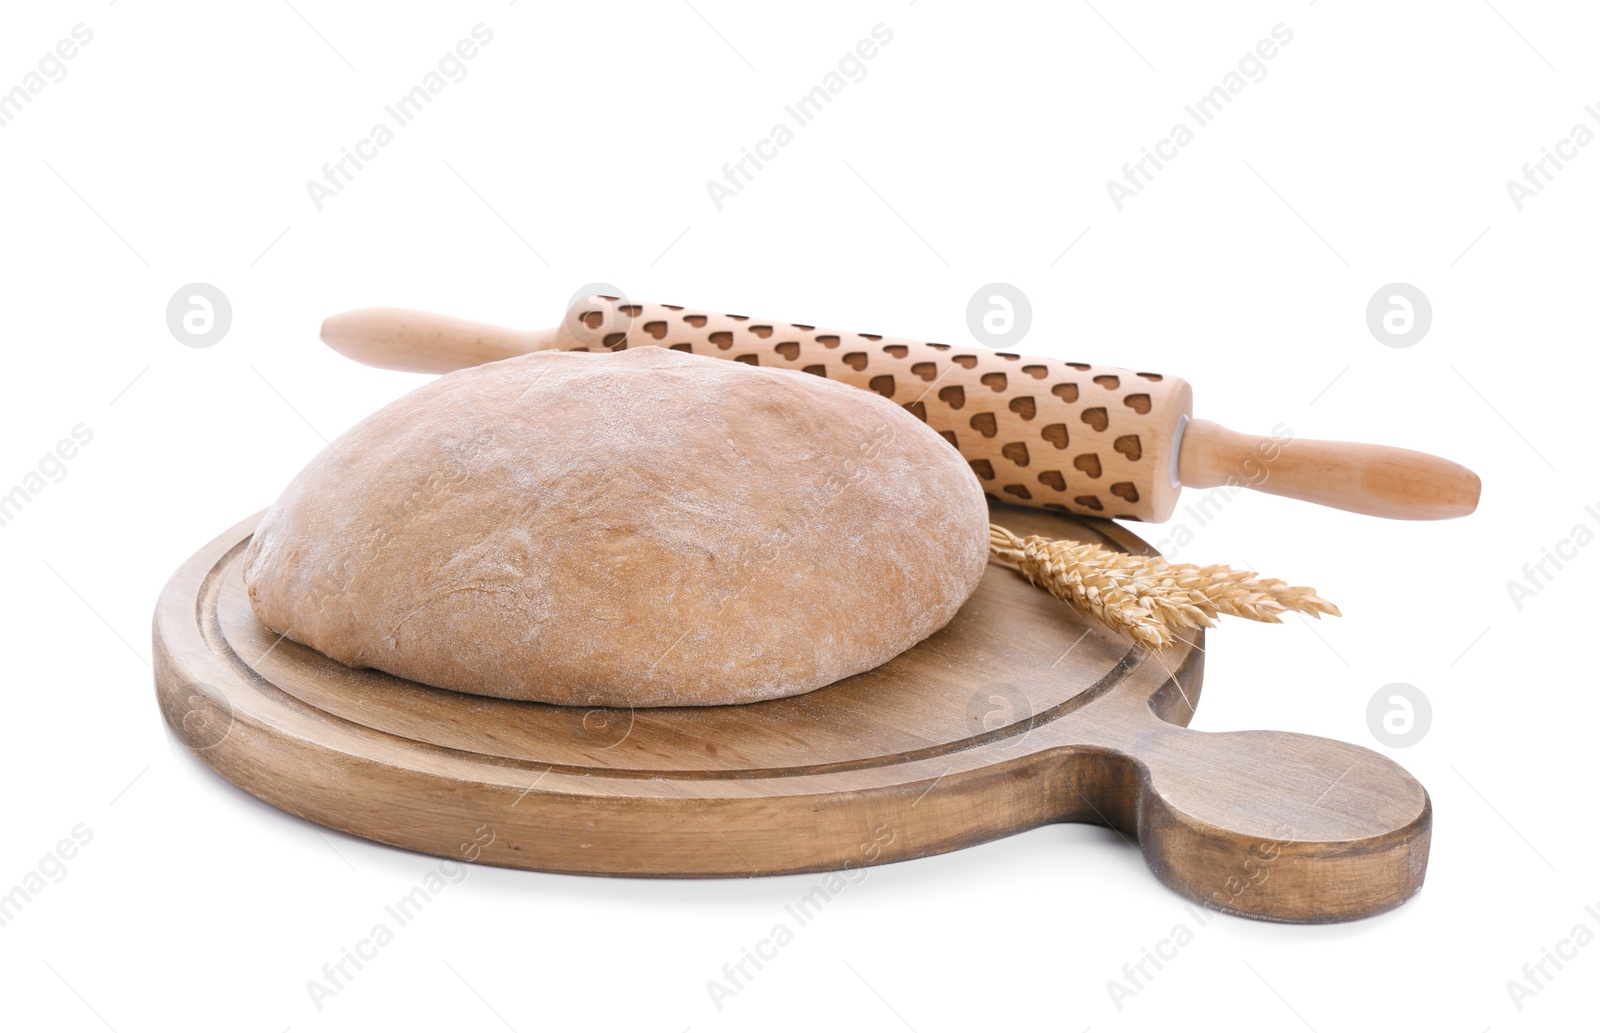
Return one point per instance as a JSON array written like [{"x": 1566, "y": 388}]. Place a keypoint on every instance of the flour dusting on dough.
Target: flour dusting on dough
[{"x": 644, "y": 528}]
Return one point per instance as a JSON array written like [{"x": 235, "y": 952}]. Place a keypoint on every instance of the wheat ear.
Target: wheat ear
[{"x": 1145, "y": 597}]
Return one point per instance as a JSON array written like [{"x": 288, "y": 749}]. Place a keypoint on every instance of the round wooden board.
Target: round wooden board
[{"x": 1015, "y": 715}]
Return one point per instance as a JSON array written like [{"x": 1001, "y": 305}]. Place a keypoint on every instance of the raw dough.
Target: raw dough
[{"x": 640, "y": 528}]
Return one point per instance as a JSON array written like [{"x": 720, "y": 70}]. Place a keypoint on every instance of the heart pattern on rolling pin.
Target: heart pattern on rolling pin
[{"x": 1035, "y": 431}]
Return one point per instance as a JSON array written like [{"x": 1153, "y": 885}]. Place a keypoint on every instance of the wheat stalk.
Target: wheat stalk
[{"x": 1145, "y": 597}]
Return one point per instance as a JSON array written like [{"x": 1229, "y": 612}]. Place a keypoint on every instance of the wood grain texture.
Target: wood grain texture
[{"x": 1016, "y": 715}]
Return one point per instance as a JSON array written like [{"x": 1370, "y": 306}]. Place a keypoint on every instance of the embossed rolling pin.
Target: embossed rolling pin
[{"x": 1070, "y": 436}]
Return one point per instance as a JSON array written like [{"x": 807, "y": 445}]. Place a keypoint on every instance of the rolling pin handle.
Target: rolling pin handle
[
  {"x": 1373, "y": 479},
  {"x": 421, "y": 342}
]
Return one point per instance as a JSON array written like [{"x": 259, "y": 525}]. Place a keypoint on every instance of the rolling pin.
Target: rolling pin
[{"x": 1069, "y": 436}]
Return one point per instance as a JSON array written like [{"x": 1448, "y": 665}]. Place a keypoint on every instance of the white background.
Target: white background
[{"x": 977, "y": 149}]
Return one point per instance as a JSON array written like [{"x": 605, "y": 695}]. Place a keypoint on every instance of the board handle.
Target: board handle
[{"x": 1279, "y": 825}]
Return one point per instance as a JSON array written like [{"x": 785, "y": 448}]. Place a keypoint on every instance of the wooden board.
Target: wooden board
[{"x": 1016, "y": 715}]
